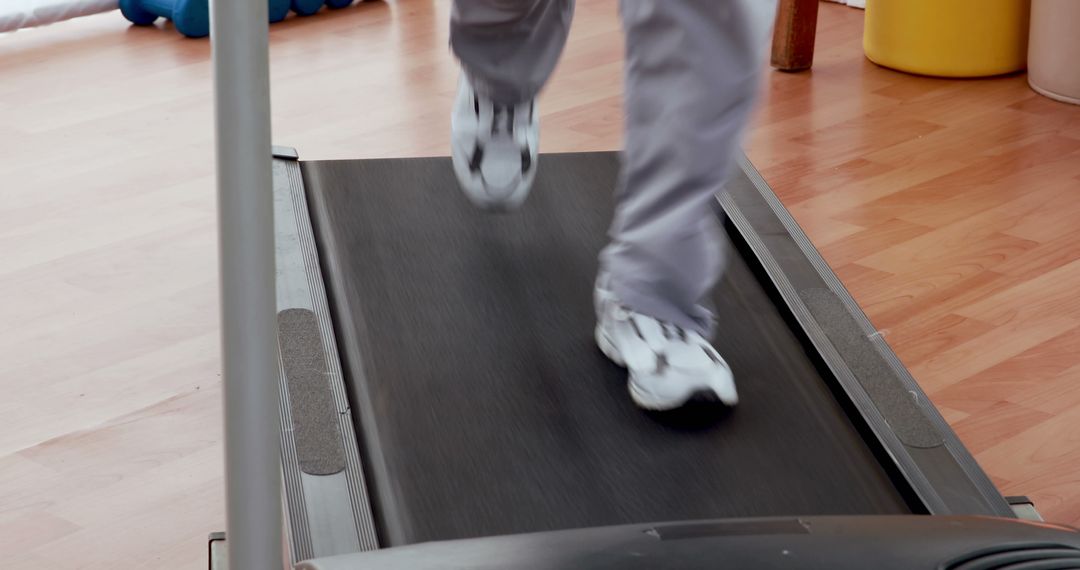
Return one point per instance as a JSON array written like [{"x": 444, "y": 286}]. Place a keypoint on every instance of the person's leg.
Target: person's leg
[
  {"x": 691, "y": 77},
  {"x": 507, "y": 49}
]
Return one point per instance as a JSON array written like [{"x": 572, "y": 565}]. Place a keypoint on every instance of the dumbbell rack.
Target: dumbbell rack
[{"x": 192, "y": 17}]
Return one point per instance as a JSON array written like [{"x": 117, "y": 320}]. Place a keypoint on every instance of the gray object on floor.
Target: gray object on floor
[{"x": 247, "y": 283}]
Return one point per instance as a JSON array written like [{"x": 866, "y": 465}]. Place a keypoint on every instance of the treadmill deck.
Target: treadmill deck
[{"x": 484, "y": 406}]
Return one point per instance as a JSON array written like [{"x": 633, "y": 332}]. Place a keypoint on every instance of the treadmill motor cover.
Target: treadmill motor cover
[{"x": 827, "y": 543}]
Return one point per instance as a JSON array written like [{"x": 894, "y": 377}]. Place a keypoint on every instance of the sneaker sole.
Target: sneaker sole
[
  {"x": 608, "y": 348},
  {"x": 650, "y": 402}
]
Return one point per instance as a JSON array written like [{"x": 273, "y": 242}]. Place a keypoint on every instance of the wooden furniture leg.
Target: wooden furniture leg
[{"x": 793, "y": 39}]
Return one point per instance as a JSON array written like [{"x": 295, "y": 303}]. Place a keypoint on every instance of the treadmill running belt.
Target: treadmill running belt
[{"x": 483, "y": 404}]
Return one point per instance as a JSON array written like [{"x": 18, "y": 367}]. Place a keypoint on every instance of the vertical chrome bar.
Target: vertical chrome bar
[{"x": 239, "y": 32}]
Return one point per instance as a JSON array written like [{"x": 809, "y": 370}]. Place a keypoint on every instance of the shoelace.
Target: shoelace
[
  {"x": 670, "y": 331},
  {"x": 498, "y": 110}
]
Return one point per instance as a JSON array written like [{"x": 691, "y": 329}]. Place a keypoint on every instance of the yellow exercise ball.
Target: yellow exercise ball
[{"x": 948, "y": 38}]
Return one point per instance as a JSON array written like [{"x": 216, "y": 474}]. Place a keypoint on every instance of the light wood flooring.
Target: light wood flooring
[{"x": 949, "y": 208}]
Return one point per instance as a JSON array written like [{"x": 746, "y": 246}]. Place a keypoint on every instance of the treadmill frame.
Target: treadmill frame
[{"x": 332, "y": 514}]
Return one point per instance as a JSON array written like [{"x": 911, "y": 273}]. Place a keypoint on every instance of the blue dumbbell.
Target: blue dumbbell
[
  {"x": 306, "y": 7},
  {"x": 191, "y": 17},
  {"x": 309, "y": 7}
]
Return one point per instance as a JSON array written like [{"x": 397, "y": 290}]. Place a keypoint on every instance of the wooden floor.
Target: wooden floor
[{"x": 945, "y": 207}]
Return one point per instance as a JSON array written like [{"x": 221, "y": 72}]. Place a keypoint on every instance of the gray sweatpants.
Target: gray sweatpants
[{"x": 692, "y": 68}]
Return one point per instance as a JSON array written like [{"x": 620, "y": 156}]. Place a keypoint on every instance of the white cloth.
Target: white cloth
[
  {"x": 852, "y": 3},
  {"x": 15, "y": 14}
]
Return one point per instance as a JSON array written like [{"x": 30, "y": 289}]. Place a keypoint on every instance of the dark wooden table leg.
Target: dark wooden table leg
[{"x": 793, "y": 39}]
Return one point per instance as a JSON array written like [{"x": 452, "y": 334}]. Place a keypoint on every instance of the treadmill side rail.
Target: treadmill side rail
[
  {"x": 327, "y": 511},
  {"x": 925, "y": 450}
]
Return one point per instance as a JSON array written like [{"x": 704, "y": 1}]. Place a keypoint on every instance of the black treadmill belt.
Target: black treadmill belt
[{"x": 469, "y": 335}]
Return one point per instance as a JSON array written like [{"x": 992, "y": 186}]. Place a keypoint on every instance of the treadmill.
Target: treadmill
[
  {"x": 441, "y": 403},
  {"x": 440, "y": 383}
]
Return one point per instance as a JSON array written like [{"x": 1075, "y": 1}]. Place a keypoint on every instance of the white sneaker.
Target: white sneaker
[
  {"x": 667, "y": 364},
  {"x": 494, "y": 148}
]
